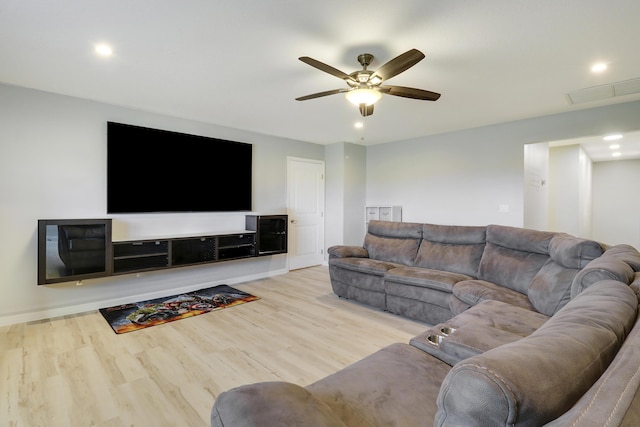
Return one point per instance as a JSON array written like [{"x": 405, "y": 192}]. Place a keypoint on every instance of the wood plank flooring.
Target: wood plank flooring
[{"x": 74, "y": 371}]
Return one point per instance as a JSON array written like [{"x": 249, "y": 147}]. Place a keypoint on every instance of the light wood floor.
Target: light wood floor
[{"x": 75, "y": 371}]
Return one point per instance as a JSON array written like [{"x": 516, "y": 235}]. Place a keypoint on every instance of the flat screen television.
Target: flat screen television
[{"x": 152, "y": 170}]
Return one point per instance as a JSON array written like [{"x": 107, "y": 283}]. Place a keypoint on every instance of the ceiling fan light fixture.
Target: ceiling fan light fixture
[
  {"x": 375, "y": 80},
  {"x": 363, "y": 96}
]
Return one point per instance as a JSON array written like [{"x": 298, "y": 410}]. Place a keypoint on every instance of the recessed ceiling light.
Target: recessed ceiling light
[
  {"x": 103, "y": 49},
  {"x": 614, "y": 146},
  {"x": 616, "y": 154},
  {"x": 599, "y": 67},
  {"x": 358, "y": 125},
  {"x": 613, "y": 137}
]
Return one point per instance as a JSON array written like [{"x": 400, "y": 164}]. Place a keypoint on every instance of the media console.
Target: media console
[{"x": 71, "y": 250}]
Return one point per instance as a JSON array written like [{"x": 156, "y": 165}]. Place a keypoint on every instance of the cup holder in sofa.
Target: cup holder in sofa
[
  {"x": 443, "y": 332},
  {"x": 447, "y": 330},
  {"x": 434, "y": 339}
]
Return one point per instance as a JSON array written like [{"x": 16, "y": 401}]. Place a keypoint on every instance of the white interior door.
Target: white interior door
[{"x": 305, "y": 205}]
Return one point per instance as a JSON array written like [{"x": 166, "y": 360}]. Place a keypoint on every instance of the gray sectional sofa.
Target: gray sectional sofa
[
  {"x": 529, "y": 328},
  {"x": 432, "y": 272}
]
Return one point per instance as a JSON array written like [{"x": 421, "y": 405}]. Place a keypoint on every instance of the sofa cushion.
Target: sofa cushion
[
  {"x": 451, "y": 248},
  {"x": 429, "y": 309},
  {"x": 342, "y": 251},
  {"x": 617, "y": 263},
  {"x": 520, "y": 239},
  {"x": 458, "y": 306},
  {"x": 533, "y": 381},
  {"x": 550, "y": 288},
  {"x": 513, "y": 256},
  {"x": 500, "y": 315},
  {"x": 271, "y": 404},
  {"x": 474, "y": 291},
  {"x": 573, "y": 252},
  {"x": 393, "y": 241},
  {"x": 395, "y": 386},
  {"x": 425, "y": 278},
  {"x": 431, "y": 296},
  {"x": 363, "y": 265}
]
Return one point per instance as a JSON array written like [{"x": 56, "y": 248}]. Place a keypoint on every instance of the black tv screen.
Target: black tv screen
[{"x": 152, "y": 170}]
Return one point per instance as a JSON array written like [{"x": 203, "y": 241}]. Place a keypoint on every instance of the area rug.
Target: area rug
[{"x": 131, "y": 317}]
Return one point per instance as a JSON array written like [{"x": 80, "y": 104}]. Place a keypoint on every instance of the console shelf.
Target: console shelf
[
  {"x": 137, "y": 256},
  {"x": 96, "y": 255},
  {"x": 140, "y": 255}
]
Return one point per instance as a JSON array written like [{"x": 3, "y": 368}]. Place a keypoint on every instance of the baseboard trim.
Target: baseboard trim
[{"x": 51, "y": 313}]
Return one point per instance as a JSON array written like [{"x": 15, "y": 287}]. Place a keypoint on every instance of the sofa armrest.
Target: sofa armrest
[
  {"x": 341, "y": 251},
  {"x": 271, "y": 404},
  {"x": 534, "y": 380}
]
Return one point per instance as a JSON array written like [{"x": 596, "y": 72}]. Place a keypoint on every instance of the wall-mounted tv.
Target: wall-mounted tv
[{"x": 152, "y": 170}]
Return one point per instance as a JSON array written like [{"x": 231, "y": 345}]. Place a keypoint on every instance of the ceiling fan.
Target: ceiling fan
[{"x": 365, "y": 86}]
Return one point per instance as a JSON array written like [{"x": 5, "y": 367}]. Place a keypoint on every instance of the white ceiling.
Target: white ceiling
[
  {"x": 234, "y": 63},
  {"x": 601, "y": 150}
]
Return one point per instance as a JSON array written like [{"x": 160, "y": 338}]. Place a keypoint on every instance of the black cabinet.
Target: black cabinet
[
  {"x": 271, "y": 233},
  {"x": 234, "y": 246},
  {"x": 140, "y": 256},
  {"x": 195, "y": 250},
  {"x": 73, "y": 249}
]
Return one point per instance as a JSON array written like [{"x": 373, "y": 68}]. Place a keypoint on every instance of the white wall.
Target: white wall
[
  {"x": 354, "y": 195},
  {"x": 334, "y": 197},
  {"x": 570, "y": 190},
  {"x": 536, "y": 186},
  {"x": 616, "y": 205},
  {"x": 345, "y": 184},
  {"x": 464, "y": 177},
  {"x": 53, "y": 165},
  {"x": 585, "y": 184},
  {"x": 459, "y": 178}
]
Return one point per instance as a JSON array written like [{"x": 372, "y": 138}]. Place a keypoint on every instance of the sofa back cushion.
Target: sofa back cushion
[
  {"x": 513, "y": 256},
  {"x": 617, "y": 263},
  {"x": 457, "y": 249},
  {"x": 393, "y": 241},
  {"x": 550, "y": 289},
  {"x": 573, "y": 252},
  {"x": 536, "y": 379}
]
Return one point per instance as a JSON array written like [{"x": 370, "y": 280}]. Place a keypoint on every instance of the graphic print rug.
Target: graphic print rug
[{"x": 131, "y": 317}]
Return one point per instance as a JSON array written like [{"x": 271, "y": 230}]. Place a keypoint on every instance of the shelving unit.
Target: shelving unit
[
  {"x": 382, "y": 213},
  {"x": 99, "y": 256},
  {"x": 140, "y": 256},
  {"x": 143, "y": 255},
  {"x": 236, "y": 246},
  {"x": 271, "y": 233}
]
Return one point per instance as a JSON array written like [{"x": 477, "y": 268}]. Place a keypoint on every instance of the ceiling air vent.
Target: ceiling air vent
[
  {"x": 627, "y": 87},
  {"x": 598, "y": 93}
]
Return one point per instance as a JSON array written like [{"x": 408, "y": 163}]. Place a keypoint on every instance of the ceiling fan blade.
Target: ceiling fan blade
[
  {"x": 399, "y": 64},
  {"x": 320, "y": 94},
  {"x": 410, "y": 92},
  {"x": 327, "y": 68},
  {"x": 366, "y": 110}
]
